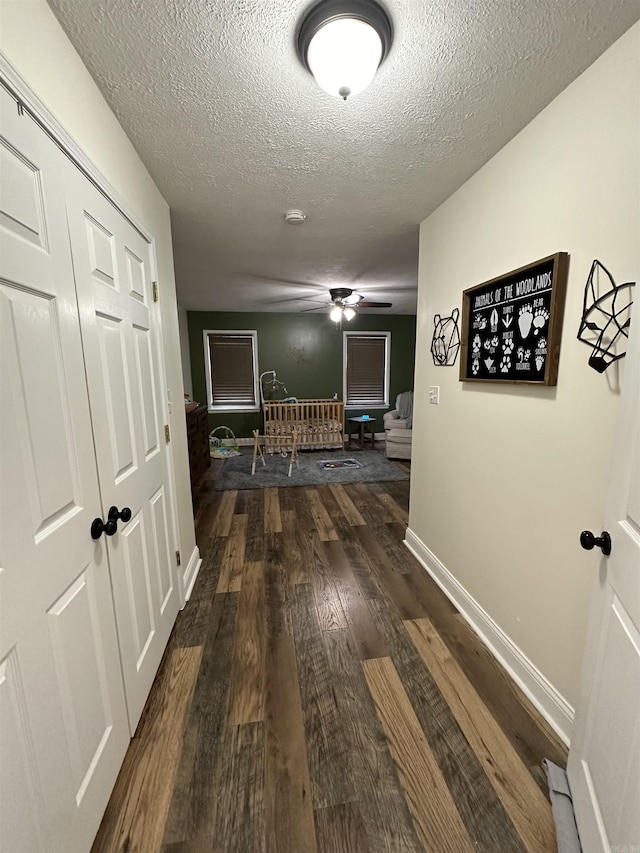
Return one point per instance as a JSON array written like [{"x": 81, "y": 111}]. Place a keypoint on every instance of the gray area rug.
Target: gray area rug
[{"x": 236, "y": 472}]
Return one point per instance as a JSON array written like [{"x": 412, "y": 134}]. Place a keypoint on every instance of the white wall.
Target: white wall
[
  {"x": 35, "y": 44},
  {"x": 185, "y": 355},
  {"x": 504, "y": 478}
]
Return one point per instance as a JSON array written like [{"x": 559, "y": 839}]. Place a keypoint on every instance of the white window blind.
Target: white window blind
[
  {"x": 231, "y": 370},
  {"x": 366, "y": 369}
]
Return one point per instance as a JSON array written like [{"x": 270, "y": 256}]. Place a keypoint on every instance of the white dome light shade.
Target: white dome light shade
[
  {"x": 336, "y": 314},
  {"x": 349, "y": 313},
  {"x": 342, "y": 43},
  {"x": 344, "y": 56}
]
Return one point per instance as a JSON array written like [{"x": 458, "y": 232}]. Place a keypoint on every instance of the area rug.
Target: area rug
[{"x": 374, "y": 467}]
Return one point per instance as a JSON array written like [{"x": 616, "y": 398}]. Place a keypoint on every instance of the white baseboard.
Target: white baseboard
[
  {"x": 553, "y": 707},
  {"x": 191, "y": 573}
]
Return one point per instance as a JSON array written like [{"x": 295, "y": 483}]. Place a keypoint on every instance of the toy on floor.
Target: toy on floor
[{"x": 217, "y": 448}]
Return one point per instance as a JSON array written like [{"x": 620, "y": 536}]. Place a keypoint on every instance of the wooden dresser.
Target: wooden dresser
[{"x": 198, "y": 443}]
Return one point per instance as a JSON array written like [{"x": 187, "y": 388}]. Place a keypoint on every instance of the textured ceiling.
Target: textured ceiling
[{"x": 234, "y": 131}]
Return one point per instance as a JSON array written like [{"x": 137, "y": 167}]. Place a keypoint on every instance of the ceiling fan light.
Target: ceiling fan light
[
  {"x": 348, "y": 313},
  {"x": 336, "y": 313},
  {"x": 352, "y": 299}
]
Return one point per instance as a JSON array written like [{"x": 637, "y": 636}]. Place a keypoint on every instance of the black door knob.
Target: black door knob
[
  {"x": 124, "y": 514},
  {"x": 98, "y": 527},
  {"x": 589, "y": 541}
]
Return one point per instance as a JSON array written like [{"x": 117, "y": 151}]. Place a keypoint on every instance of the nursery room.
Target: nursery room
[
  {"x": 319, "y": 445},
  {"x": 354, "y": 371}
]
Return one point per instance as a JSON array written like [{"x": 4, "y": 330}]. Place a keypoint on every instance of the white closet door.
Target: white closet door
[
  {"x": 63, "y": 723},
  {"x": 120, "y": 329}
]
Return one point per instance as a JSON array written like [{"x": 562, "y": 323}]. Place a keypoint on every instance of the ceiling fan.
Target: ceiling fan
[
  {"x": 341, "y": 297},
  {"x": 346, "y": 296},
  {"x": 344, "y": 302}
]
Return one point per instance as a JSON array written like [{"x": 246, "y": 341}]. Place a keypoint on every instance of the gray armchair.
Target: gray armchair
[{"x": 398, "y": 425}]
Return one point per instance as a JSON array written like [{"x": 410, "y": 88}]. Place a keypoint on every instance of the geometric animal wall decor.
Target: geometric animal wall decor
[
  {"x": 512, "y": 324},
  {"x": 445, "y": 343},
  {"x": 606, "y": 317}
]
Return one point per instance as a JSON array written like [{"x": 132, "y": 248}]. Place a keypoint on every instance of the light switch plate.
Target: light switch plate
[{"x": 434, "y": 394}]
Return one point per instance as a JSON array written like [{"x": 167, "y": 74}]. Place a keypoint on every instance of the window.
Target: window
[
  {"x": 231, "y": 365},
  {"x": 366, "y": 369}
]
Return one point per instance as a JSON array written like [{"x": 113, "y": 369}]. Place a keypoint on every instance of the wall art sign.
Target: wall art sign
[
  {"x": 512, "y": 325},
  {"x": 445, "y": 342}
]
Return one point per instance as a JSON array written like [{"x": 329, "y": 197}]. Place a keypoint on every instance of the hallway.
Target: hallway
[{"x": 320, "y": 693}]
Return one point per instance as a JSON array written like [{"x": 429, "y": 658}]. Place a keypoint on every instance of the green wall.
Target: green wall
[{"x": 306, "y": 352}]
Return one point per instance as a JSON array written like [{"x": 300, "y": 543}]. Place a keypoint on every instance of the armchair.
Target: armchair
[
  {"x": 392, "y": 420},
  {"x": 398, "y": 425}
]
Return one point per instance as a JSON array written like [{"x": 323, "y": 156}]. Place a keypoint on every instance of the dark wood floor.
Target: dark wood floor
[{"x": 320, "y": 693}]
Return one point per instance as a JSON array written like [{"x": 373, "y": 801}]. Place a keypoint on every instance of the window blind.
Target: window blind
[
  {"x": 366, "y": 370},
  {"x": 232, "y": 370}
]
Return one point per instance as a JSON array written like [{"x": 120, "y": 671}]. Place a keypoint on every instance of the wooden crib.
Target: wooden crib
[{"x": 315, "y": 423}]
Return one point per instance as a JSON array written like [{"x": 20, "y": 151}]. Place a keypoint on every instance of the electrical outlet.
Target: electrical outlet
[{"x": 434, "y": 395}]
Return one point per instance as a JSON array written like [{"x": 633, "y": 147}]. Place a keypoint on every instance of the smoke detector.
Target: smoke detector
[{"x": 295, "y": 217}]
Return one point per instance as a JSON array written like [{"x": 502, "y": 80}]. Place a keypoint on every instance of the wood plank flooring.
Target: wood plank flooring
[{"x": 320, "y": 694}]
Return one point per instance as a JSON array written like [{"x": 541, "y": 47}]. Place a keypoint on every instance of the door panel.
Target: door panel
[
  {"x": 38, "y": 379},
  {"x": 146, "y": 383},
  {"x": 136, "y": 597},
  {"x": 164, "y": 572},
  {"x": 120, "y": 330},
  {"x": 136, "y": 276},
  {"x": 23, "y": 804},
  {"x": 83, "y": 683},
  {"x": 22, "y": 208},
  {"x": 115, "y": 375},
  {"x": 610, "y": 761},
  {"x": 61, "y": 750}
]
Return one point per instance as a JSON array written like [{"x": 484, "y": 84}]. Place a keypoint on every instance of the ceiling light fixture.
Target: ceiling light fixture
[
  {"x": 348, "y": 313},
  {"x": 342, "y": 43}
]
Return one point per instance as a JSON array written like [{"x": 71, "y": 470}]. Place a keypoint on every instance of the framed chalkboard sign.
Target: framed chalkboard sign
[{"x": 511, "y": 325}]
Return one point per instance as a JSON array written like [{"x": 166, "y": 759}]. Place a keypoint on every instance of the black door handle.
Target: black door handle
[
  {"x": 589, "y": 541},
  {"x": 124, "y": 514},
  {"x": 98, "y": 527}
]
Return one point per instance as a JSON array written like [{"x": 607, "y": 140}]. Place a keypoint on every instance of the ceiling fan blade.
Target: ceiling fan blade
[
  {"x": 299, "y": 299},
  {"x": 322, "y": 307},
  {"x": 367, "y": 303}
]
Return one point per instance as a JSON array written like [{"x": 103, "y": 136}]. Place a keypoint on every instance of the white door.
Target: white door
[
  {"x": 119, "y": 327},
  {"x": 604, "y": 760},
  {"x": 63, "y": 723}
]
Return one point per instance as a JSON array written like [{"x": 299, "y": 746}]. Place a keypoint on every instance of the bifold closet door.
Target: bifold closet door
[
  {"x": 120, "y": 334},
  {"x": 63, "y": 722}
]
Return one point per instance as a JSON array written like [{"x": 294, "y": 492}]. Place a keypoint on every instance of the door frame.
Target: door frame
[{"x": 27, "y": 100}]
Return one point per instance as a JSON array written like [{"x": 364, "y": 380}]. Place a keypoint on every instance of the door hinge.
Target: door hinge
[
  {"x": 178, "y": 561},
  {"x": 167, "y": 433},
  {"x": 155, "y": 291}
]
